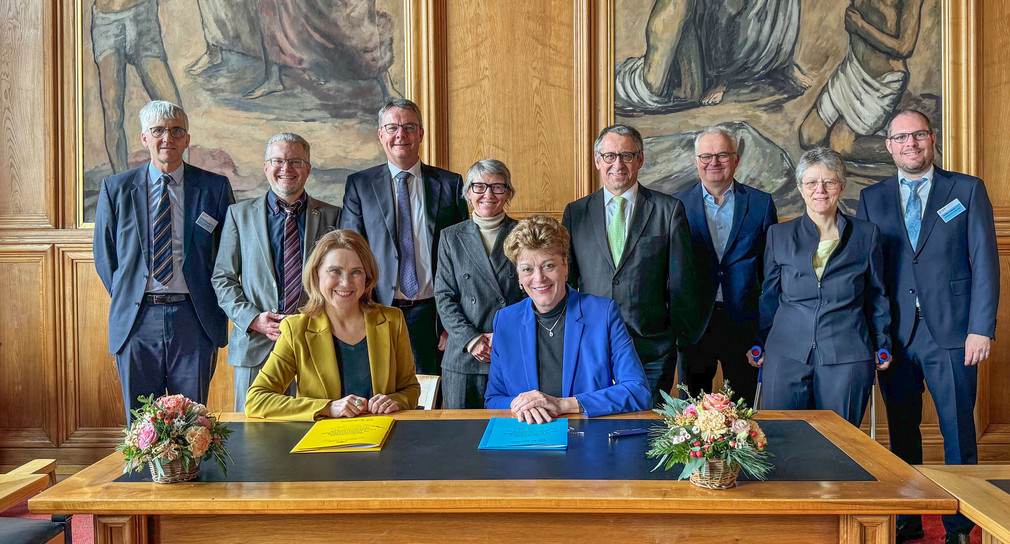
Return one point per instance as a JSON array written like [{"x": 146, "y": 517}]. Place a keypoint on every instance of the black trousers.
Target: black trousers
[
  {"x": 723, "y": 341},
  {"x": 421, "y": 326}
]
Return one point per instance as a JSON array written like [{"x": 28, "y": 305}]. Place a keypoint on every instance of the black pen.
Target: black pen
[{"x": 627, "y": 432}]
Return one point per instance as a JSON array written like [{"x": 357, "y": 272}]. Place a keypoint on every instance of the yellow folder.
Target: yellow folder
[{"x": 354, "y": 434}]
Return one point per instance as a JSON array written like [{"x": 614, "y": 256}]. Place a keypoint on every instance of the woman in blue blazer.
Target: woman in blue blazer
[
  {"x": 823, "y": 309},
  {"x": 559, "y": 351}
]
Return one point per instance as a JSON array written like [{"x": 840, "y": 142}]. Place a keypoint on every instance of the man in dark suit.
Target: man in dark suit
[
  {"x": 156, "y": 233},
  {"x": 633, "y": 245},
  {"x": 942, "y": 272},
  {"x": 401, "y": 208},
  {"x": 728, "y": 222},
  {"x": 258, "y": 273}
]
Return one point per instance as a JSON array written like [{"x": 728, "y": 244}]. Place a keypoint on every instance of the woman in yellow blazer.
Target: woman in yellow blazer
[{"x": 349, "y": 355}]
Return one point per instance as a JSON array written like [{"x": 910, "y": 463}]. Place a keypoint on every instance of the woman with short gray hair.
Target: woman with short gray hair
[
  {"x": 824, "y": 315},
  {"x": 473, "y": 280}
]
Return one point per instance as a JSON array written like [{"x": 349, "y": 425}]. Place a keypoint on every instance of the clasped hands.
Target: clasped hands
[
  {"x": 538, "y": 407},
  {"x": 353, "y": 405},
  {"x": 481, "y": 349}
]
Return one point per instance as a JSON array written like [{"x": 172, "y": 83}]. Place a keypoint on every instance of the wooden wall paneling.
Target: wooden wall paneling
[
  {"x": 24, "y": 162},
  {"x": 511, "y": 81},
  {"x": 426, "y": 66},
  {"x": 28, "y": 377}
]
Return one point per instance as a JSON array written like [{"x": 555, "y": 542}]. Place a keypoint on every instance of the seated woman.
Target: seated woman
[
  {"x": 559, "y": 351},
  {"x": 349, "y": 355}
]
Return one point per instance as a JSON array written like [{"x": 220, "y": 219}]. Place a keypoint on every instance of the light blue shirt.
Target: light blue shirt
[
  {"x": 923, "y": 190},
  {"x": 177, "y": 196},
  {"x": 610, "y": 207},
  {"x": 422, "y": 244},
  {"x": 720, "y": 222}
]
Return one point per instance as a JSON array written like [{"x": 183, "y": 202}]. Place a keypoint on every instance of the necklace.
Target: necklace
[{"x": 550, "y": 331}]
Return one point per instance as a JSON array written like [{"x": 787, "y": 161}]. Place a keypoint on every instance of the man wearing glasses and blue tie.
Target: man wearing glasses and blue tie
[
  {"x": 942, "y": 273},
  {"x": 401, "y": 208},
  {"x": 633, "y": 245},
  {"x": 157, "y": 229}
]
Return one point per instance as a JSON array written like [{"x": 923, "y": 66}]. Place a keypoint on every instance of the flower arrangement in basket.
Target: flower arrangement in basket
[
  {"x": 713, "y": 438},
  {"x": 171, "y": 435}
]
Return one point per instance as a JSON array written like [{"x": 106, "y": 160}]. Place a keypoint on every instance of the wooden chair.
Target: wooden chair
[
  {"x": 429, "y": 391},
  {"x": 20, "y": 484}
]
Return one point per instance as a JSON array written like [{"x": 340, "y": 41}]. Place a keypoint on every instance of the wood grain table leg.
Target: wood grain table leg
[
  {"x": 120, "y": 529},
  {"x": 866, "y": 529}
]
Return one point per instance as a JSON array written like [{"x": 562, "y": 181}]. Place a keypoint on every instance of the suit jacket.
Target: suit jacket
[
  {"x": 601, "y": 367},
  {"x": 655, "y": 284},
  {"x": 955, "y": 268},
  {"x": 369, "y": 210},
  {"x": 740, "y": 271},
  {"x": 845, "y": 314},
  {"x": 470, "y": 287},
  {"x": 122, "y": 247},
  {"x": 305, "y": 350},
  {"x": 244, "y": 277}
]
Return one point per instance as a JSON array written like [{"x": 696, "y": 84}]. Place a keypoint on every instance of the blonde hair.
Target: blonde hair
[
  {"x": 338, "y": 239},
  {"x": 537, "y": 232}
]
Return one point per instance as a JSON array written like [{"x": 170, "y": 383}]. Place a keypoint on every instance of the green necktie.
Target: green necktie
[{"x": 615, "y": 233}]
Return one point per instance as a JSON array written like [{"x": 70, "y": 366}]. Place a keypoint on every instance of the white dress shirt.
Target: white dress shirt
[{"x": 177, "y": 196}]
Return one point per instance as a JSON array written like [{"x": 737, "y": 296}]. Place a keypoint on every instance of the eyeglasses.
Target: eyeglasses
[
  {"x": 902, "y": 137},
  {"x": 408, "y": 128},
  {"x": 829, "y": 184},
  {"x": 626, "y": 157},
  {"x": 176, "y": 132},
  {"x": 293, "y": 163},
  {"x": 706, "y": 158},
  {"x": 496, "y": 188}
]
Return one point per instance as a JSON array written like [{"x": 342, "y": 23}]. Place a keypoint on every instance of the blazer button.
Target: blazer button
[
  {"x": 473, "y": 300},
  {"x": 720, "y": 273},
  {"x": 915, "y": 261},
  {"x": 466, "y": 276},
  {"x": 615, "y": 282},
  {"x": 136, "y": 304},
  {"x": 911, "y": 291},
  {"x": 501, "y": 300}
]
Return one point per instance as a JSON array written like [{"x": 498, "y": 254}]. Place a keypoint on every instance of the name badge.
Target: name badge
[
  {"x": 207, "y": 222},
  {"x": 953, "y": 209}
]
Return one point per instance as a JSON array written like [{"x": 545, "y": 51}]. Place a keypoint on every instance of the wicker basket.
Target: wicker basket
[
  {"x": 174, "y": 472},
  {"x": 716, "y": 474}
]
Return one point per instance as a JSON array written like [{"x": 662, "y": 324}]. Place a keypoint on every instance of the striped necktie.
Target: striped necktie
[
  {"x": 616, "y": 230},
  {"x": 913, "y": 210},
  {"x": 161, "y": 263},
  {"x": 405, "y": 238},
  {"x": 292, "y": 253}
]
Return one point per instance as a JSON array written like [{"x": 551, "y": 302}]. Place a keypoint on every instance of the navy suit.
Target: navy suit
[
  {"x": 122, "y": 252},
  {"x": 821, "y": 335},
  {"x": 954, "y": 273},
  {"x": 601, "y": 367},
  {"x": 370, "y": 210},
  {"x": 730, "y": 327}
]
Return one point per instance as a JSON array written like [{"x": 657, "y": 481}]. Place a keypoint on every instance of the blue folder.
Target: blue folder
[{"x": 506, "y": 433}]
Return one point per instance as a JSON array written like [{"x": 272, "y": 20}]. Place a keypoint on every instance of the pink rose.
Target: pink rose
[
  {"x": 173, "y": 405},
  {"x": 716, "y": 401},
  {"x": 691, "y": 410},
  {"x": 199, "y": 440},
  {"x": 203, "y": 421},
  {"x": 146, "y": 437}
]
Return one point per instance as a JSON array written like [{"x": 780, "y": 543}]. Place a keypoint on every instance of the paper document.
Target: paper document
[
  {"x": 354, "y": 434},
  {"x": 506, "y": 433}
]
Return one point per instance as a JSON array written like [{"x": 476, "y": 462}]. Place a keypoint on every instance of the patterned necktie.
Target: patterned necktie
[
  {"x": 405, "y": 237},
  {"x": 615, "y": 233},
  {"x": 913, "y": 210},
  {"x": 161, "y": 263},
  {"x": 292, "y": 253}
]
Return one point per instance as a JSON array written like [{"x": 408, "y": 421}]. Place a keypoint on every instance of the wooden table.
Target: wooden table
[
  {"x": 510, "y": 510},
  {"x": 982, "y": 502}
]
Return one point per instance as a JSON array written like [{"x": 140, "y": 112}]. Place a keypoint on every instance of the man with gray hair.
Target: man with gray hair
[
  {"x": 157, "y": 229},
  {"x": 401, "y": 207},
  {"x": 258, "y": 273},
  {"x": 633, "y": 245},
  {"x": 729, "y": 221}
]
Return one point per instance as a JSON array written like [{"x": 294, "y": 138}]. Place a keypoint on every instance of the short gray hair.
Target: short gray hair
[
  {"x": 717, "y": 131},
  {"x": 156, "y": 110},
  {"x": 623, "y": 130},
  {"x": 825, "y": 157},
  {"x": 401, "y": 103},
  {"x": 289, "y": 137},
  {"x": 489, "y": 166}
]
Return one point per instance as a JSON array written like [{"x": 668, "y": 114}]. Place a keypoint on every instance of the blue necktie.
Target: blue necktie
[
  {"x": 913, "y": 210},
  {"x": 405, "y": 237},
  {"x": 161, "y": 263}
]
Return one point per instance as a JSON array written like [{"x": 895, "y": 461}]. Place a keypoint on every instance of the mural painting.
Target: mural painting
[
  {"x": 784, "y": 75},
  {"x": 243, "y": 70}
]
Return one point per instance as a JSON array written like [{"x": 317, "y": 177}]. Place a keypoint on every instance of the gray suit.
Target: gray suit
[
  {"x": 245, "y": 280},
  {"x": 655, "y": 284},
  {"x": 470, "y": 287}
]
